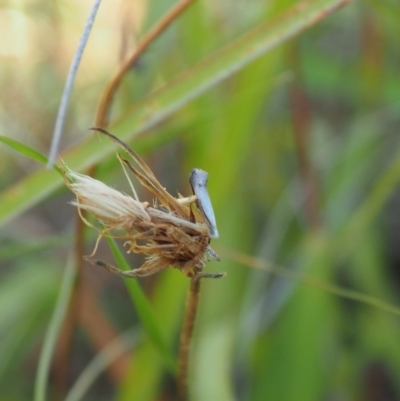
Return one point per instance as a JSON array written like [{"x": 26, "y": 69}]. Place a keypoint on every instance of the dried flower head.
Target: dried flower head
[{"x": 173, "y": 232}]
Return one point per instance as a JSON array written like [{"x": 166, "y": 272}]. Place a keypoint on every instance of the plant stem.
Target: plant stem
[
  {"x": 302, "y": 114},
  {"x": 148, "y": 38},
  {"x": 186, "y": 337}
]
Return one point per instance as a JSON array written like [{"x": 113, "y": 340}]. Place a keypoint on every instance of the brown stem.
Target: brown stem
[
  {"x": 186, "y": 337},
  {"x": 148, "y": 38},
  {"x": 371, "y": 60},
  {"x": 302, "y": 117}
]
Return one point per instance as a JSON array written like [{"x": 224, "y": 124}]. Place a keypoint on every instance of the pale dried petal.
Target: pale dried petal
[{"x": 107, "y": 204}]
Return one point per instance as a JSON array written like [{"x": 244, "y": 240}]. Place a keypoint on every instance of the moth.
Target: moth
[{"x": 172, "y": 232}]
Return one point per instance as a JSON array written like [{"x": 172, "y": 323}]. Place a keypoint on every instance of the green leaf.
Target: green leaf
[
  {"x": 144, "y": 378},
  {"x": 165, "y": 102},
  {"x": 26, "y": 150},
  {"x": 23, "y": 149}
]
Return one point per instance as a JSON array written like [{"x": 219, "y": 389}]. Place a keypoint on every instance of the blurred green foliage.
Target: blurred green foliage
[{"x": 303, "y": 156}]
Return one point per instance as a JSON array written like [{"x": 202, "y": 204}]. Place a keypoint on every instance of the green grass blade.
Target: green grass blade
[
  {"x": 13, "y": 251},
  {"x": 144, "y": 379},
  {"x": 143, "y": 309},
  {"x": 25, "y": 150},
  {"x": 162, "y": 104},
  {"x": 310, "y": 281},
  {"x": 53, "y": 330},
  {"x": 100, "y": 362}
]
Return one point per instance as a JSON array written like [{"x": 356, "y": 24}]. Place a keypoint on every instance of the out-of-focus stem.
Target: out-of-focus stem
[
  {"x": 186, "y": 338},
  {"x": 302, "y": 117},
  {"x": 148, "y": 38}
]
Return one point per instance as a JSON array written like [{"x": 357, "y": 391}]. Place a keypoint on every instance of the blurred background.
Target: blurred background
[{"x": 303, "y": 155}]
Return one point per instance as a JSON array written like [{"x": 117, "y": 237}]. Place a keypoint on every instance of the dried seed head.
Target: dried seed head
[
  {"x": 172, "y": 233},
  {"x": 108, "y": 205}
]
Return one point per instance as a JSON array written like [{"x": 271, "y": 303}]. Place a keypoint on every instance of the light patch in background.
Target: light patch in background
[{"x": 16, "y": 29}]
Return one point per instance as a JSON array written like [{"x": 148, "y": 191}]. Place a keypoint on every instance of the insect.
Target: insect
[{"x": 173, "y": 232}]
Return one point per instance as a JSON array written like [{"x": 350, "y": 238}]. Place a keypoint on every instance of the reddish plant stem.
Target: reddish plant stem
[
  {"x": 148, "y": 38},
  {"x": 192, "y": 304},
  {"x": 371, "y": 61},
  {"x": 301, "y": 116}
]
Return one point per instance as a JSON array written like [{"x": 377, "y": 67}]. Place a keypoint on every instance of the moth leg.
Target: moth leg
[
  {"x": 187, "y": 200},
  {"x": 212, "y": 253},
  {"x": 140, "y": 272}
]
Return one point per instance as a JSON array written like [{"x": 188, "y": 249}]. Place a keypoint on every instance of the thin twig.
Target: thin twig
[
  {"x": 346, "y": 293},
  {"x": 148, "y": 38},
  {"x": 62, "y": 110},
  {"x": 192, "y": 304}
]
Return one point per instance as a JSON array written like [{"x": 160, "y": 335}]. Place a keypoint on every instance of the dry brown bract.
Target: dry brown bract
[{"x": 174, "y": 232}]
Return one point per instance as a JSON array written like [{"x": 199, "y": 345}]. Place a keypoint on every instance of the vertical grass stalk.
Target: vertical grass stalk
[{"x": 192, "y": 304}]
